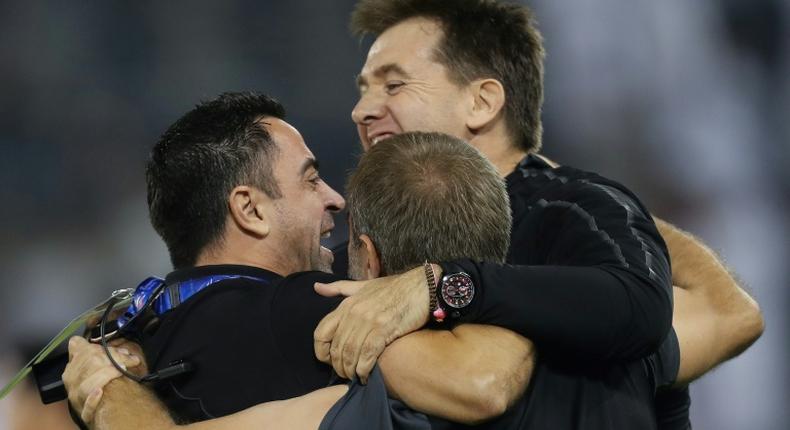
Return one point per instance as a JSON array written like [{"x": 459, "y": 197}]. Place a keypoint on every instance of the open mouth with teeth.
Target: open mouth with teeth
[
  {"x": 324, "y": 243},
  {"x": 380, "y": 137}
]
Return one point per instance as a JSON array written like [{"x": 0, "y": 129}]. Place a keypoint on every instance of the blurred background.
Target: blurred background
[{"x": 688, "y": 103}]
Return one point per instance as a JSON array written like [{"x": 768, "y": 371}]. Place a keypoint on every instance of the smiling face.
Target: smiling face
[
  {"x": 303, "y": 213},
  {"x": 403, "y": 88}
]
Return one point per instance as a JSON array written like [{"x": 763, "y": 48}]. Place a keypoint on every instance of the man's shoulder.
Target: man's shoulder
[
  {"x": 190, "y": 287},
  {"x": 540, "y": 184},
  {"x": 310, "y": 277},
  {"x": 208, "y": 317},
  {"x": 299, "y": 287},
  {"x": 531, "y": 177},
  {"x": 229, "y": 292}
]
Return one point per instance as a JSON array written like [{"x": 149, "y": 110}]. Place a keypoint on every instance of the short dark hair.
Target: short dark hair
[
  {"x": 481, "y": 39},
  {"x": 428, "y": 196},
  {"x": 218, "y": 145}
]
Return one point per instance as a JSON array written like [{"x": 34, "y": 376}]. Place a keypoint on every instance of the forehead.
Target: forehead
[
  {"x": 289, "y": 141},
  {"x": 408, "y": 43}
]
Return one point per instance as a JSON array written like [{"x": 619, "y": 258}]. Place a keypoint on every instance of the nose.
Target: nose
[
  {"x": 369, "y": 108},
  {"x": 334, "y": 201}
]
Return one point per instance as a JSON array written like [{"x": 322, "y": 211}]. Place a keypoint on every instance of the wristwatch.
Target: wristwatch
[{"x": 455, "y": 292}]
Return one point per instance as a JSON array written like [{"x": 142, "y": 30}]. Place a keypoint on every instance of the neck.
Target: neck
[
  {"x": 500, "y": 151},
  {"x": 243, "y": 257}
]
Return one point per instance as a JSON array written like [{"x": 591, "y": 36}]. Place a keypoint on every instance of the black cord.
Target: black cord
[
  {"x": 103, "y": 339},
  {"x": 174, "y": 369}
]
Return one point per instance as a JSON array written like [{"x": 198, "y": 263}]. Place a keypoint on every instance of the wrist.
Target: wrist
[
  {"x": 422, "y": 294},
  {"x": 436, "y": 311}
]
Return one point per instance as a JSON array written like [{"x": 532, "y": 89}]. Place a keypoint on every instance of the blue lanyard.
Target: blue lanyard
[{"x": 167, "y": 296}]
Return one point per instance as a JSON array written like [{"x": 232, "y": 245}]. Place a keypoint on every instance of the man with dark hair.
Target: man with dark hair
[
  {"x": 479, "y": 39},
  {"x": 236, "y": 195},
  {"x": 213, "y": 148},
  {"x": 590, "y": 280}
]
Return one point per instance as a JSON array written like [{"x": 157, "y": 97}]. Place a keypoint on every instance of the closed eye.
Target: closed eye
[
  {"x": 314, "y": 180},
  {"x": 392, "y": 87}
]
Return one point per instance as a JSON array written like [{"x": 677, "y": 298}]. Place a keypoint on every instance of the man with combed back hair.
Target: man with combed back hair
[{"x": 589, "y": 276}]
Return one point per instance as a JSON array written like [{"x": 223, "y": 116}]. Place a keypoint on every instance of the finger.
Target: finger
[
  {"x": 96, "y": 381},
  {"x": 323, "y": 334},
  {"x": 350, "y": 350},
  {"x": 350, "y": 288},
  {"x": 91, "y": 403},
  {"x": 327, "y": 290},
  {"x": 326, "y": 328},
  {"x": 133, "y": 347},
  {"x": 85, "y": 357},
  {"x": 93, "y": 359},
  {"x": 353, "y": 339},
  {"x": 344, "y": 288},
  {"x": 371, "y": 350},
  {"x": 118, "y": 342},
  {"x": 335, "y": 356},
  {"x": 351, "y": 334},
  {"x": 76, "y": 344},
  {"x": 123, "y": 357},
  {"x": 336, "y": 349},
  {"x": 322, "y": 350},
  {"x": 80, "y": 389}
]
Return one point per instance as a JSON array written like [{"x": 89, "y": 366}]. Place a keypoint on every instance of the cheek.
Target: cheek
[
  {"x": 435, "y": 113},
  {"x": 411, "y": 115}
]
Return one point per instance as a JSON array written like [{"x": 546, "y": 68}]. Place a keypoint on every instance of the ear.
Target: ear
[
  {"x": 247, "y": 206},
  {"x": 373, "y": 262},
  {"x": 488, "y": 100}
]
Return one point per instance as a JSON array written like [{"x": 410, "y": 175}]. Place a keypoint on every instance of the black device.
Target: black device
[
  {"x": 48, "y": 372},
  {"x": 146, "y": 304},
  {"x": 48, "y": 378}
]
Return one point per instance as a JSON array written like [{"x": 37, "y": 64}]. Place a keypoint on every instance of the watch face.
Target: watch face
[{"x": 457, "y": 290}]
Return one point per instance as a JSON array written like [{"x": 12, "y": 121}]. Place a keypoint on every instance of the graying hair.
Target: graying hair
[{"x": 428, "y": 196}]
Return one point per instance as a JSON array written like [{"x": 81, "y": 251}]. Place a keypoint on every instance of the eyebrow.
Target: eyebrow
[
  {"x": 307, "y": 164},
  {"x": 383, "y": 70}
]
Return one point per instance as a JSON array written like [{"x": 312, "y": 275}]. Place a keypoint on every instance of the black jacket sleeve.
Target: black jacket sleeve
[
  {"x": 601, "y": 290},
  {"x": 672, "y": 409}
]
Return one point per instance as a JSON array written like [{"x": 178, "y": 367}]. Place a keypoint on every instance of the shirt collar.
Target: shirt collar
[
  {"x": 219, "y": 269},
  {"x": 530, "y": 162}
]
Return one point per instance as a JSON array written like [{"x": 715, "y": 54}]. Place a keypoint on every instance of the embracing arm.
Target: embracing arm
[
  {"x": 467, "y": 375},
  {"x": 714, "y": 318},
  {"x": 129, "y": 406},
  {"x": 107, "y": 401},
  {"x": 602, "y": 290}
]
